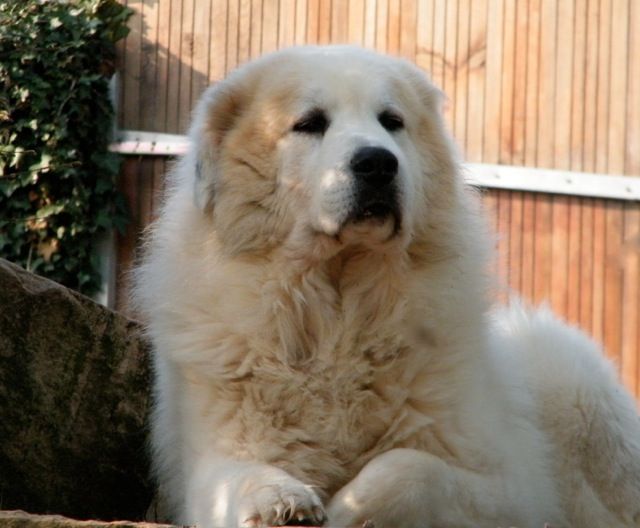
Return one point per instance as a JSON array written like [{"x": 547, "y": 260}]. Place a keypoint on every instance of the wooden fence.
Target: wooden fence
[{"x": 537, "y": 83}]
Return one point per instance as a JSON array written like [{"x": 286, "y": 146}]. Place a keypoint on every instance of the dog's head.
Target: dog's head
[{"x": 331, "y": 142}]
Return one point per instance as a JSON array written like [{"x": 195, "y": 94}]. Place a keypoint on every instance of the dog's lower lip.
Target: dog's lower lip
[{"x": 375, "y": 210}]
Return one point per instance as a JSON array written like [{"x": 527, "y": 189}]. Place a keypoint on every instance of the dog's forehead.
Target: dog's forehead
[{"x": 336, "y": 79}]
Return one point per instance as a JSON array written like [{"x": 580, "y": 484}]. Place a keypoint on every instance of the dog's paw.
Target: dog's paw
[
  {"x": 394, "y": 489},
  {"x": 344, "y": 511},
  {"x": 288, "y": 503}
]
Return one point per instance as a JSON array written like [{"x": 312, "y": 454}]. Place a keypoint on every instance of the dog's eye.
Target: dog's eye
[
  {"x": 390, "y": 121},
  {"x": 315, "y": 122}
]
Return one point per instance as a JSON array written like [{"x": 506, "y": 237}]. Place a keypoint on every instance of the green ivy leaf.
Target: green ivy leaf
[{"x": 48, "y": 210}]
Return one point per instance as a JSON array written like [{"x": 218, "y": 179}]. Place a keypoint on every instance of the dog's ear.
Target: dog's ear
[
  {"x": 215, "y": 115},
  {"x": 429, "y": 94}
]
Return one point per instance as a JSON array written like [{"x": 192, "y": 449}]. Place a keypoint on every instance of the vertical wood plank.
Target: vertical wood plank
[
  {"x": 563, "y": 93},
  {"x": 408, "y": 17},
  {"x": 339, "y": 22},
  {"x": 613, "y": 274},
  {"x": 632, "y": 140},
  {"x": 201, "y": 40},
  {"x": 148, "y": 104},
  {"x": 218, "y": 41},
  {"x": 300, "y": 34},
  {"x": 233, "y": 35},
  {"x": 603, "y": 90},
  {"x": 174, "y": 67},
  {"x": 462, "y": 73},
  {"x": 246, "y": 40},
  {"x": 493, "y": 82},
  {"x": 270, "y": 19},
  {"x": 591, "y": 87},
  {"x": 476, "y": 61},
  {"x": 130, "y": 79},
  {"x": 542, "y": 248},
  {"x": 438, "y": 43},
  {"x": 162, "y": 68},
  {"x": 393, "y": 28},
  {"x": 505, "y": 127},
  {"x": 286, "y": 23},
  {"x": 516, "y": 228},
  {"x": 547, "y": 84},
  {"x": 356, "y": 22},
  {"x": 382, "y": 19},
  {"x": 533, "y": 85},
  {"x": 630, "y": 353},
  {"x": 578, "y": 97},
  {"x": 370, "y": 24},
  {"x": 586, "y": 264},
  {"x": 450, "y": 62},
  {"x": 599, "y": 254},
  {"x": 324, "y": 22},
  {"x": 559, "y": 255},
  {"x": 618, "y": 86},
  {"x": 120, "y": 64},
  {"x": 186, "y": 65},
  {"x": 521, "y": 85},
  {"x": 424, "y": 35},
  {"x": 528, "y": 245},
  {"x": 313, "y": 20},
  {"x": 574, "y": 264}
]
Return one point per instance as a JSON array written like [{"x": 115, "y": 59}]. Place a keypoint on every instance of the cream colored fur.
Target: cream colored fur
[{"x": 308, "y": 367}]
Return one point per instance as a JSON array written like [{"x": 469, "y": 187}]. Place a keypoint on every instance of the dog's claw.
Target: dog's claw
[{"x": 319, "y": 516}]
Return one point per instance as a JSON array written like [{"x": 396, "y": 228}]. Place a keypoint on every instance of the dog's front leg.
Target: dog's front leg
[
  {"x": 227, "y": 493},
  {"x": 405, "y": 488}
]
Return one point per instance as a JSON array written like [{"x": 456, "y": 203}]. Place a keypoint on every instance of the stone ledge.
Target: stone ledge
[
  {"x": 74, "y": 393},
  {"x": 21, "y": 519}
]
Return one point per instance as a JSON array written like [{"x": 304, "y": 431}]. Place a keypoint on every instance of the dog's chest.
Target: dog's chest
[
  {"x": 339, "y": 408},
  {"x": 333, "y": 414}
]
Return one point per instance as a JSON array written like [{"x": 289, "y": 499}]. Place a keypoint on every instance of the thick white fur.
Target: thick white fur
[{"x": 310, "y": 367}]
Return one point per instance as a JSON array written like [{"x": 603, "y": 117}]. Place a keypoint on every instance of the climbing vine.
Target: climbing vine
[{"x": 58, "y": 179}]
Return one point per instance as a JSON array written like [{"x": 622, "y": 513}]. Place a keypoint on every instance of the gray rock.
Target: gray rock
[
  {"x": 20, "y": 519},
  {"x": 74, "y": 393}
]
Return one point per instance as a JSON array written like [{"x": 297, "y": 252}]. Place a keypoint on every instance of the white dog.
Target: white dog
[{"x": 316, "y": 294}]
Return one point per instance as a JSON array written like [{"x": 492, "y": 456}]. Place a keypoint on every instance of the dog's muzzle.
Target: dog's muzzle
[{"x": 376, "y": 198}]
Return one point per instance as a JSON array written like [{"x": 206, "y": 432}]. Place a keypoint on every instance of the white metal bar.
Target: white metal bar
[
  {"x": 149, "y": 143},
  {"x": 553, "y": 181},
  {"x": 478, "y": 174}
]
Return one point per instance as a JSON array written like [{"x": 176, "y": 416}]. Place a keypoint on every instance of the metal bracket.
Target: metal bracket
[{"x": 149, "y": 143}]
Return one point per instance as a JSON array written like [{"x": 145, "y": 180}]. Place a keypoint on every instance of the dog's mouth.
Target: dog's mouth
[{"x": 378, "y": 212}]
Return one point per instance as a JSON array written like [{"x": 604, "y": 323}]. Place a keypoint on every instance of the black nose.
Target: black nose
[{"x": 374, "y": 166}]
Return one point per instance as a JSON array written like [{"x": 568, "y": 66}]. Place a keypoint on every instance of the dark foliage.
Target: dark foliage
[{"x": 58, "y": 191}]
